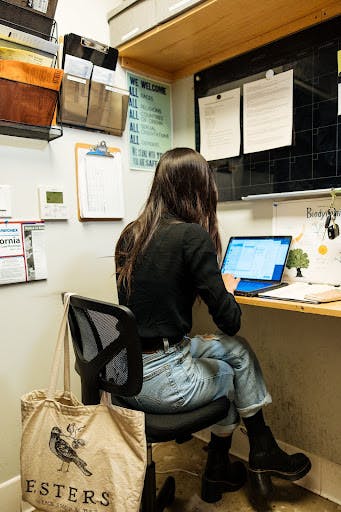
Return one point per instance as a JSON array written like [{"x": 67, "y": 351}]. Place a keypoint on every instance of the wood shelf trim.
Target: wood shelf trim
[
  {"x": 217, "y": 30},
  {"x": 144, "y": 69},
  {"x": 251, "y": 44}
]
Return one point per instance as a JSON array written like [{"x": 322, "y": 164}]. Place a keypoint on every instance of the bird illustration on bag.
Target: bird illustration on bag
[{"x": 66, "y": 452}]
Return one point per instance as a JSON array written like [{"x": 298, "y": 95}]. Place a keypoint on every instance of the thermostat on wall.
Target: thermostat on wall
[{"x": 52, "y": 205}]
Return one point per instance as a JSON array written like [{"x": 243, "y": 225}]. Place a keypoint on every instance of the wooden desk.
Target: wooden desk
[{"x": 326, "y": 309}]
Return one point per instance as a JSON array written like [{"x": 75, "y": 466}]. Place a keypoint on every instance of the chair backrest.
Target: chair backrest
[{"x": 107, "y": 348}]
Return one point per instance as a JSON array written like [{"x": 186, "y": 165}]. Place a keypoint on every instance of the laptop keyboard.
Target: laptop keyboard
[{"x": 248, "y": 286}]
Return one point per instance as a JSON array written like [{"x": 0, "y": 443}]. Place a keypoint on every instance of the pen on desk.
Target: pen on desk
[{"x": 328, "y": 284}]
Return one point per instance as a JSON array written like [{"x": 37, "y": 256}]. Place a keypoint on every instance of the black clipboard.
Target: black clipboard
[{"x": 89, "y": 49}]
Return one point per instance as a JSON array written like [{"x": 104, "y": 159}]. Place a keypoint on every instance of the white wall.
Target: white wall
[
  {"x": 79, "y": 255},
  {"x": 301, "y": 355}
]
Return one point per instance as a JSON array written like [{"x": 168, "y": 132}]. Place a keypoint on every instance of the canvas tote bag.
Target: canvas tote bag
[{"x": 77, "y": 458}]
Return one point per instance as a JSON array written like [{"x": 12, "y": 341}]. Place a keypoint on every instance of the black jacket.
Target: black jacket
[{"x": 179, "y": 264}]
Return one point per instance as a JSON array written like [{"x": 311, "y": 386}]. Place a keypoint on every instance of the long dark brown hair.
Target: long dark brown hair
[{"x": 184, "y": 190}]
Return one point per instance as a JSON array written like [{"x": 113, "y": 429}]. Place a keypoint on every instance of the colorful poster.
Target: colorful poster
[
  {"x": 149, "y": 121},
  {"x": 314, "y": 256}
]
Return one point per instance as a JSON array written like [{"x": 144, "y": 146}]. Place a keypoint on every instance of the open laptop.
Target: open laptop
[{"x": 259, "y": 261}]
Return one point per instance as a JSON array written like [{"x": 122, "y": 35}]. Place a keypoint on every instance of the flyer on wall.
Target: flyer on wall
[
  {"x": 22, "y": 251},
  {"x": 313, "y": 256},
  {"x": 150, "y": 121}
]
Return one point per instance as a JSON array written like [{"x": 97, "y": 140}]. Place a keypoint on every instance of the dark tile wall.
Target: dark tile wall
[{"x": 313, "y": 159}]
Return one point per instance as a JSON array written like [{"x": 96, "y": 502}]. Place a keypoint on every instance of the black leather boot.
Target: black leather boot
[
  {"x": 221, "y": 475},
  {"x": 266, "y": 459}
]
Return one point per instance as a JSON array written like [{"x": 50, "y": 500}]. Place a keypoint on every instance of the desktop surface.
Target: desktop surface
[{"x": 325, "y": 309}]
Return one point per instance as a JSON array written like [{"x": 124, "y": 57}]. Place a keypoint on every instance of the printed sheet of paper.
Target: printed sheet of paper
[
  {"x": 339, "y": 82},
  {"x": 35, "y": 255},
  {"x": 302, "y": 292},
  {"x": 22, "y": 252},
  {"x": 268, "y": 113},
  {"x": 220, "y": 125},
  {"x": 100, "y": 187},
  {"x": 313, "y": 257},
  {"x": 15, "y": 36},
  {"x": 32, "y": 57},
  {"x": 77, "y": 67},
  {"x": 103, "y": 76}
]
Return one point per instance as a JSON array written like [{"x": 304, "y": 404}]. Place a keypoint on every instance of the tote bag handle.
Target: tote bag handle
[{"x": 62, "y": 339}]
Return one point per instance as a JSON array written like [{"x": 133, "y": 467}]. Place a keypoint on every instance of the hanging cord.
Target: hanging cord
[
  {"x": 174, "y": 470},
  {"x": 330, "y": 225}
]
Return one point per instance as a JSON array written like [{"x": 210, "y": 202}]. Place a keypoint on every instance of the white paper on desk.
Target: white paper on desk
[
  {"x": 297, "y": 292},
  {"x": 78, "y": 67},
  {"x": 220, "y": 125},
  {"x": 268, "y": 113},
  {"x": 100, "y": 186}
]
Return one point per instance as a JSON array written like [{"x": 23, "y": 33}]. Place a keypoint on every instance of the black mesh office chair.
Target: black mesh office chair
[{"x": 108, "y": 356}]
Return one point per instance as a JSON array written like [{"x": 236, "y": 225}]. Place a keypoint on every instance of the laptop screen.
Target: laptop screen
[{"x": 256, "y": 257}]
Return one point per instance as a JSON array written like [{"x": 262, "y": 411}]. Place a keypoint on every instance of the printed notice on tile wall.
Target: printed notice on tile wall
[
  {"x": 268, "y": 112},
  {"x": 339, "y": 81},
  {"x": 149, "y": 118},
  {"x": 220, "y": 125}
]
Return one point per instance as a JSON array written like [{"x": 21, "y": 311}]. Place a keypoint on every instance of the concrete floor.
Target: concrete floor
[{"x": 171, "y": 457}]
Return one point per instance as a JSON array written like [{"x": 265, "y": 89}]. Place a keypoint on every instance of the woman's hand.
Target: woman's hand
[{"x": 230, "y": 282}]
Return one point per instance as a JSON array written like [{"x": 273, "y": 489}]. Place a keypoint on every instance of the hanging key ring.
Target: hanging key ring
[{"x": 332, "y": 203}]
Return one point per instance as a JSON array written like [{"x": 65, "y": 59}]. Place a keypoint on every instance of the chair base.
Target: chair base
[
  {"x": 166, "y": 494},
  {"x": 261, "y": 484},
  {"x": 152, "y": 502}
]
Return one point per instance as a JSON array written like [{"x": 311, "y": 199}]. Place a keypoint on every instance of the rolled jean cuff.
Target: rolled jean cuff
[
  {"x": 220, "y": 430},
  {"x": 246, "y": 412}
]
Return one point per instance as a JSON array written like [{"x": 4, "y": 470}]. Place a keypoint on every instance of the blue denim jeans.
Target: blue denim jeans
[{"x": 196, "y": 371}]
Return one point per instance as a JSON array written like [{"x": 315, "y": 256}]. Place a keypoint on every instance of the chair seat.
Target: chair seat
[{"x": 169, "y": 427}]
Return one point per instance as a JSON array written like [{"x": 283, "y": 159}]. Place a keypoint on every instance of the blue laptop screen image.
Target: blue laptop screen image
[{"x": 258, "y": 261}]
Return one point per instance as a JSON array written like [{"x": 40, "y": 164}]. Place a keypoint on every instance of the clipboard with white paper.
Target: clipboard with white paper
[{"x": 99, "y": 182}]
